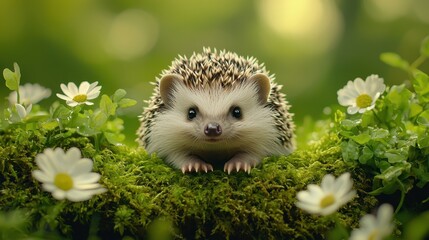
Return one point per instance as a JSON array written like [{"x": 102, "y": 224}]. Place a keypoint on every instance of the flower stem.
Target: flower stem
[
  {"x": 418, "y": 62},
  {"x": 97, "y": 140},
  {"x": 17, "y": 96},
  {"x": 340, "y": 231},
  {"x": 401, "y": 201},
  {"x": 376, "y": 116}
]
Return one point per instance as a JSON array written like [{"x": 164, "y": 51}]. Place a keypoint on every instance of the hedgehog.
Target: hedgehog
[{"x": 213, "y": 109}]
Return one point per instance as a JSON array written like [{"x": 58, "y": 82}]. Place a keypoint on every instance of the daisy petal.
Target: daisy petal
[
  {"x": 65, "y": 90},
  {"x": 42, "y": 176},
  {"x": 360, "y": 85},
  {"x": 63, "y": 97},
  {"x": 311, "y": 208},
  {"x": 93, "y": 95},
  {"x": 82, "y": 166},
  {"x": 84, "y": 87},
  {"x": 21, "y": 111},
  {"x": 73, "y": 89},
  {"x": 78, "y": 195},
  {"x": 352, "y": 110},
  {"x": 93, "y": 87},
  {"x": 86, "y": 178},
  {"x": 59, "y": 194},
  {"x": 73, "y": 154},
  {"x": 49, "y": 187},
  {"x": 72, "y": 103},
  {"x": 90, "y": 186},
  {"x": 328, "y": 182}
]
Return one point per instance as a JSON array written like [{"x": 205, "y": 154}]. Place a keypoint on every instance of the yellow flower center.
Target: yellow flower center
[
  {"x": 373, "y": 235},
  {"x": 63, "y": 181},
  {"x": 80, "y": 98},
  {"x": 363, "y": 101},
  {"x": 327, "y": 201}
]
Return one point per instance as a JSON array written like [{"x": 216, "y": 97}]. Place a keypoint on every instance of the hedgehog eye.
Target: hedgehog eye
[
  {"x": 192, "y": 113},
  {"x": 236, "y": 112}
]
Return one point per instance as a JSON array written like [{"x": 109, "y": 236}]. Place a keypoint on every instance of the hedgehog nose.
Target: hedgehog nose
[{"x": 213, "y": 130}]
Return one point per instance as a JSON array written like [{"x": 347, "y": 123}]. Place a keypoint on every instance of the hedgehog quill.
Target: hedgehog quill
[{"x": 213, "y": 109}]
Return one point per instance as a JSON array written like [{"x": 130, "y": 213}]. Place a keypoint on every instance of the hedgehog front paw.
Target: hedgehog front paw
[
  {"x": 239, "y": 163},
  {"x": 196, "y": 165}
]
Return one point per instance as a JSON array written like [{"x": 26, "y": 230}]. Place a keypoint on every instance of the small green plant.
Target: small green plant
[
  {"x": 390, "y": 138},
  {"x": 102, "y": 124}
]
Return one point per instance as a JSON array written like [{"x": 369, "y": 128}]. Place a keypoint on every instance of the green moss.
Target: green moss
[{"x": 143, "y": 191}]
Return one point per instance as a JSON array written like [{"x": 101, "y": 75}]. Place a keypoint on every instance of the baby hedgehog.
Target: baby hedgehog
[{"x": 215, "y": 109}]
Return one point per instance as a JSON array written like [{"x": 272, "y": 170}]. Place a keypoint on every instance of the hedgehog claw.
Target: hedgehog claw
[
  {"x": 196, "y": 165},
  {"x": 237, "y": 164}
]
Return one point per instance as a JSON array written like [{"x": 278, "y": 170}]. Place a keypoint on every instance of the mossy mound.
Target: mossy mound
[{"x": 146, "y": 197}]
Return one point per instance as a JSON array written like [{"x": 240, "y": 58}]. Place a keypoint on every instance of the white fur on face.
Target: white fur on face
[{"x": 254, "y": 133}]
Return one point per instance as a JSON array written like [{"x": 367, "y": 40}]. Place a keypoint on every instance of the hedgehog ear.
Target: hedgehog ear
[
  {"x": 262, "y": 82},
  {"x": 166, "y": 87}
]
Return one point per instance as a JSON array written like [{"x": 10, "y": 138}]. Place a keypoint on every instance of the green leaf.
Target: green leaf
[
  {"x": 415, "y": 109},
  {"x": 367, "y": 119},
  {"x": 114, "y": 126},
  {"x": 394, "y": 60},
  {"x": 107, "y": 106},
  {"x": 422, "y": 174},
  {"x": 127, "y": 102},
  {"x": 424, "y": 47},
  {"x": 421, "y": 86},
  {"x": 17, "y": 70},
  {"x": 397, "y": 103},
  {"x": 379, "y": 149},
  {"x": 391, "y": 173},
  {"x": 86, "y": 131},
  {"x": 118, "y": 95},
  {"x": 114, "y": 138},
  {"x": 12, "y": 78},
  {"x": 379, "y": 133},
  {"x": 350, "y": 151},
  {"x": 99, "y": 119},
  {"x": 417, "y": 228},
  {"x": 388, "y": 187},
  {"x": 37, "y": 118},
  {"x": 396, "y": 155},
  {"x": 350, "y": 124},
  {"x": 423, "y": 139},
  {"x": 51, "y": 125},
  {"x": 366, "y": 155},
  {"x": 423, "y": 119},
  {"x": 60, "y": 112},
  {"x": 362, "y": 138}
]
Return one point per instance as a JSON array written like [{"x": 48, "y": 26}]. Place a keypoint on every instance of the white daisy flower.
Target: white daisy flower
[
  {"x": 327, "y": 198},
  {"x": 77, "y": 96},
  {"x": 29, "y": 94},
  {"x": 22, "y": 111},
  {"x": 359, "y": 95},
  {"x": 375, "y": 228},
  {"x": 66, "y": 175}
]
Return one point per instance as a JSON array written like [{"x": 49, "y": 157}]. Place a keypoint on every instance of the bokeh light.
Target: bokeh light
[
  {"x": 312, "y": 25},
  {"x": 387, "y": 10},
  {"x": 132, "y": 34}
]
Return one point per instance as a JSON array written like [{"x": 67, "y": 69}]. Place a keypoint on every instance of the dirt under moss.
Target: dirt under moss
[{"x": 146, "y": 197}]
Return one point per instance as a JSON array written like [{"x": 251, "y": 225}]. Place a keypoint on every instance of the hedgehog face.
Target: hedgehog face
[{"x": 212, "y": 117}]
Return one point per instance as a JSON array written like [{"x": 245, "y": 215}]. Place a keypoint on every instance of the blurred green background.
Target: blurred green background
[{"x": 312, "y": 46}]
